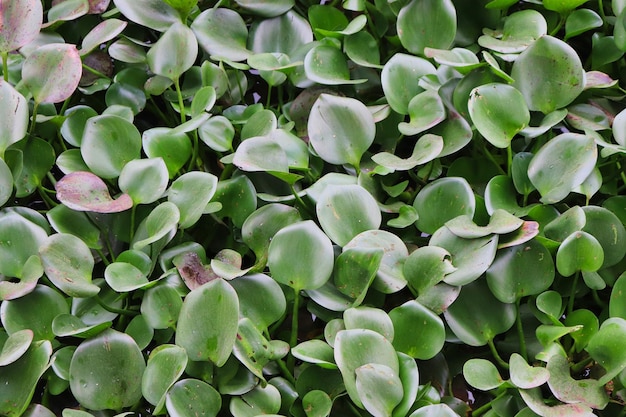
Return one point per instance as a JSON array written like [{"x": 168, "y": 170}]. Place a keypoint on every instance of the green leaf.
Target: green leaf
[
  {"x": 424, "y": 344},
  {"x": 178, "y": 39},
  {"x": 358, "y": 347},
  {"x": 102, "y": 33},
  {"x": 261, "y": 399},
  {"x": 344, "y": 211},
  {"x": 165, "y": 365},
  {"x": 272, "y": 9},
  {"x": 443, "y": 200},
  {"x": 534, "y": 399},
  {"x": 423, "y": 23},
  {"x": 52, "y": 72},
  {"x": 84, "y": 191},
  {"x": 327, "y": 65},
  {"x": 154, "y": 14},
  {"x": 19, "y": 240},
  {"x": 160, "y": 222},
  {"x": 144, "y": 180},
  {"x": 482, "y": 374},
  {"x": 580, "y": 251},
  {"x": 425, "y": 267},
  {"x": 355, "y": 270},
  {"x": 222, "y": 33},
  {"x": 37, "y": 159},
  {"x": 565, "y": 388},
  {"x": 21, "y": 22},
  {"x": 605, "y": 347},
  {"x": 379, "y": 388},
  {"x": 15, "y": 346},
  {"x": 182, "y": 6},
  {"x": 426, "y": 110},
  {"x": 106, "y": 371},
  {"x": 306, "y": 242},
  {"x": 286, "y": 33},
  {"x": 400, "y": 80},
  {"x": 19, "y": 379},
  {"x": 525, "y": 376},
  {"x": 317, "y": 403},
  {"x": 562, "y": 77},
  {"x": 191, "y": 397},
  {"x": 561, "y": 165},
  {"x": 609, "y": 232},
  {"x": 563, "y": 6},
  {"x": 124, "y": 277},
  {"x": 173, "y": 147},
  {"x": 109, "y": 142},
  {"x": 191, "y": 192},
  {"x": 315, "y": 351},
  {"x": 216, "y": 304},
  {"x": 521, "y": 270},
  {"x": 362, "y": 48},
  {"x": 520, "y": 30},
  {"x": 262, "y": 154},
  {"x": 238, "y": 199},
  {"x": 499, "y": 112},
  {"x": 434, "y": 410},
  {"x": 14, "y": 115},
  {"x": 217, "y": 133},
  {"x": 65, "y": 325},
  {"x": 477, "y": 323},
  {"x": 68, "y": 263},
  {"x": 427, "y": 148},
  {"x": 501, "y": 222},
  {"x": 617, "y": 303},
  {"x": 160, "y": 306},
  {"x": 589, "y": 323},
  {"x": 261, "y": 299}
]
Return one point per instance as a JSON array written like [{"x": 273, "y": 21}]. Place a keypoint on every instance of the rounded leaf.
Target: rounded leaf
[
  {"x": 580, "y": 251},
  {"x": 222, "y": 33},
  {"x": 379, "y": 388},
  {"x": 174, "y": 52},
  {"x": 106, "y": 371},
  {"x": 418, "y": 331},
  {"x": 482, "y": 374},
  {"x": 562, "y": 76},
  {"x": 341, "y": 129},
  {"x": 499, "y": 112},
  {"x": 165, "y": 365},
  {"x": 317, "y": 403},
  {"x": 426, "y": 266},
  {"x": 525, "y": 376},
  {"x": 153, "y": 14},
  {"x": 313, "y": 249},
  {"x": 192, "y": 397},
  {"x": 400, "y": 80},
  {"x": 14, "y": 114},
  {"x": 216, "y": 305},
  {"x": 144, "y": 180},
  {"x": 344, "y": 211},
  {"x": 20, "y": 23},
  {"x": 160, "y": 306},
  {"x": 261, "y": 299},
  {"x": 424, "y": 23},
  {"x": 173, "y": 147},
  {"x": 84, "y": 191},
  {"x": 15, "y": 346},
  {"x": 607, "y": 347},
  {"x": 19, "y": 240},
  {"x": 606, "y": 227},
  {"x": 52, "y": 72},
  {"x": 160, "y": 222}
]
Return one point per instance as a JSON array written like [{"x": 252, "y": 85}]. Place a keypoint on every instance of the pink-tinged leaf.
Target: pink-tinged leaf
[
  {"x": 597, "y": 79},
  {"x": 193, "y": 272},
  {"x": 52, "y": 72},
  {"x": 98, "y": 6},
  {"x": 20, "y": 22},
  {"x": 526, "y": 232},
  {"x": 84, "y": 191}
]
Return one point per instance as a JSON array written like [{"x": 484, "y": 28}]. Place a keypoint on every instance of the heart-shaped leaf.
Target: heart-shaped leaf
[
  {"x": 563, "y": 7},
  {"x": 154, "y": 14},
  {"x": 400, "y": 80},
  {"x": 424, "y": 344},
  {"x": 315, "y": 351},
  {"x": 425, "y": 267},
  {"x": 222, "y": 33},
  {"x": 424, "y": 24},
  {"x": 325, "y": 64},
  {"x": 317, "y": 403},
  {"x": 160, "y": 222},
  {"x": 216, "y": 304},
  {"x": 525, "y": 376},
  {"x": 65, "y": 325},
  {"x": 569, "y": 390},
  {"x": 189, "y": 397},
  {"x": 15, "y": 346},
  {"x": 102, "y": 33},
  {"x": 144, "y": 180},
  {"x": 482, "y": 374},
  {"x": 580, "y": 251},
  {"x": 84, "y": 191},
  {"x": 173, "y": 147},
  {"x": 124, "y": 277},
  {"x": 605, "y": 347},
  {"x": 443, "y": 200},
  {"x": 608, "y": 230},
  {"x": 161, "y": 306},
  {"x": 520, "y": 30},
  {"x": 191, "y": 192},
  {"x": 425, "y": 110},
  {"x": 52, "y": 72},
  {"x": 177, "y": 38},
  {"x": 261, "y": 153},
  {"x": 499, "y": 112}
]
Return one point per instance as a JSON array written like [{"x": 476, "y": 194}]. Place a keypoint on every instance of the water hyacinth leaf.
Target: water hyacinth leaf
[
  {"x": 178, "y": 38},
  {"x": 369, "y": 318},
  {"x": 21, "y": 22},
  {"x": 534, "y": 399},
  {"x": 161, "y": 306},
  {"x": 561, "y": 165},
  {"x": 461, "y": 59},
  {"x": 500, "y": 194},
  {"x": 304, "y": 241},
  {"x": 361, "y": 48},
  {"x": 273, "y": 9},
  {"x": 317, "y": 403},
  {"x": 52, "y": 72},
  {"x": 84, "y": 191},
  {"x": 563, "y": 7},
  {"x": 499, "y": 112},
  {"x": 567, "y": 389},
  {"x": 329, "y": 297},
  {"x": 68, "y": 325},
  {"x": 14, "y": 114},
  {"x": 549, "y": 121},
  {"x": 400, "y": 80},
  {"x": 427, "y": 148},
  {"x": 191, "y": 192},
  {"x": 144, "y": 180},
  {"x": 589, "y": 323},
  {"x": 501, "y": 222},
  {"x": 238, "y": 199},
  {"x": 563, "y": 70},
  {"x": 550, "y": 303},
  {"x": 284, "y": 34},
  {"x": 475, "y": 324},
  {"x": 203, "y": 100},
  {"x": 425, "y": 267},
  {"x": 161, "y": 221},
  {"x": 455, "y": 131},
  {"x": 605, "y": 347},
  {"x": 423, "y": 344},
  {"x": 6, "y": 182},
  {"x": 15, "y": 346},
  {"x": 389, "y": 278},
  {"x": 19, "y": 379},
  {"x": 260, "y": 298},
  {"x": 102, "y": 33},
  {"x": 443, "y": 200},
  {"x": 68, "y": 263},
  {"x": 525, "y": 376},
  {"x": 424, "y": 24},
  {"x": 355, "y": 270},
  {"x": 32, "y": 271},
  {"x": 327, "y": 65},
  {"x": 189, "y": 397},
  {"x": 482, "y": 374},
  {"x": 434, "y": 410},
  {"x": 74, "y": 124},
  {"x": 357, "y": 347},
  {"x": 173, "y": 147},
  {"x": 182, "y": 6},
  {"x": 38, "y": 410},
  {"x": 617, "y": 304},
  {"x": 262, "y": 154},
  {"x": 379, "y": 388},
  {"x": 124, "y": 277},
  {"x": 253, "y": 350},
  {"x": 519, "y": 271},
  {"x": 520, "y": 30},
  {"x": 606, "y": 227},
  {"x": 265, "y": 400},
  {"x": 36, "y": 159},
  {"x": 315, "y": 351},
  {"x": 425, "y": 110},
  {"x": 580, "y": 251},
  {"x": 140, "y": 331},
  {"x": 20, "y": 239},
  {"x": 222, "y": 33},
  {"x": 216, "y": 304},
  {"x": 217, "y": 133},
  {"x": 66, "y": 11},
  {"x": 106, "y": 371},
  {"x": 154, "y": 14},
  {"x": 165, "y": 365},
  {"x": 344, "y": 211},
  {"x": 109, "y": 142}
]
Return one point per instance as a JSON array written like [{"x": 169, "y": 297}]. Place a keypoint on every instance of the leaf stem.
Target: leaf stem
[
  {"x": 509, "y": 161},
  {"x": 570, "y": 302},
  {"x": 110, "y": 309},
  {"x": 496, "y": 355},
  {"x": 33, "y": 121},
  {"x": 5, "y": 66},
  {"x": 181, "y": 101},
  {"x": 520, "y": 331},
  {"x": 133, "y": 212},
  {"x": 286, "y": 372},
  {"x": 486, "y": 407},
  {"x": 579, "y": 366},
  {"x": 293, "y": 341}
]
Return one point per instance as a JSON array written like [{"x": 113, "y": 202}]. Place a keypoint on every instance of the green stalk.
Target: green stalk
[
  {"x": 486, "y": 407},
  {"x": 5, "y": 66},
  {"x": 293, "y": 341},
  {"x": 33, "y": 121},
  {"x": 113, "y": 309},
  {"x": 496, "y": 355},
  {"x": 509, "y": 161},
  {"x": 181, "y": 101},
  {"x": 520, "y": 331},
  {"x": 570, "y": 302},
  {"x": 133, "y": 212}
]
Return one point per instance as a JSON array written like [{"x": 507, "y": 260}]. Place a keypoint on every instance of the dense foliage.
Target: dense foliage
[{"x": 361, "y": 207}]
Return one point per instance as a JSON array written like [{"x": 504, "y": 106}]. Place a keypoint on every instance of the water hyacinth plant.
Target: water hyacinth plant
[{"x": 379, "y": 208}]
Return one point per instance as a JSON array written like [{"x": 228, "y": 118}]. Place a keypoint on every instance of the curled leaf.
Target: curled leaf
[{"x": 84, "y": 191}]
